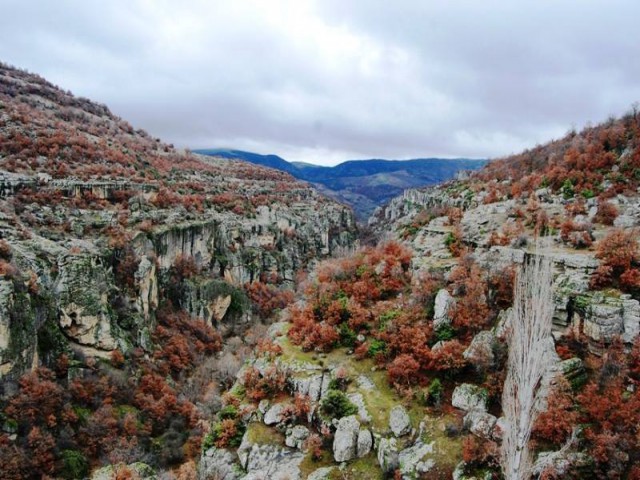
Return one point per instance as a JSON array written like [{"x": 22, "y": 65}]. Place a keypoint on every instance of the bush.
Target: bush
[
  {"x": 228, "y": 412},
  {"x": 337, "y": 405},
  {"x": 445, "y": 332},
  {"x": 377, "y": 346},
  {"x": 435, "y": 392},
  {"x": 347, "y": 336},
  {"x": 74, "y": 464}
]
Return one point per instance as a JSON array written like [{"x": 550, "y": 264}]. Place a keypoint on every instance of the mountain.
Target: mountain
[
  {"x": 171, "y": 315},
  {"x": 362, "y": 184},
  {"x": 126, "y": 266}
]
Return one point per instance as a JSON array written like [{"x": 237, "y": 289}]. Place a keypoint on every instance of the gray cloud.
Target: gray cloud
[{"x": 329, "y": 80}]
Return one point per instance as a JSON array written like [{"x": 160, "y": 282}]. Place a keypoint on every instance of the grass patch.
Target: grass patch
[
  {"x": 447, "y": 451},
  {"x": 259, "y": 433},
  {"x": 365, "y": 468},
  {"x": 309, "y": 465}
]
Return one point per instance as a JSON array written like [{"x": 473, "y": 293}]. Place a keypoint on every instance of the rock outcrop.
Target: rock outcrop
[{"x": 345, "y": 440}]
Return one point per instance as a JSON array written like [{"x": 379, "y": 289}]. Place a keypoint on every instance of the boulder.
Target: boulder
[
  {"x": 274, "y": 414},
  {"x": 443, "y": 302},
  {"x": 480, "y": 423},
  {"x": 480, "y": 351},
  {"x": 574, "y": 371},
  {"x": 365, "y": 443},
  {"x": 560, "y": 462},
  {"x": 388, "y": 455},
  {"x": 310, "y": 385},
  {"x": 624, "y": 221},
  {"x": 345, "y": 440},
  {"x": 296, "y": 436},
  {"x": 469, "y": 397},
  {"x": 399, "y": 421},
  {"x": 499, "y": 428}
]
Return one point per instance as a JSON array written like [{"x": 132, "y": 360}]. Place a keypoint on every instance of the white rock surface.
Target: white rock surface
[
  {"x": 399, "y": 421},
  {"x": 274, "y": 414},
  {"x": 388, "y": 454},
  {"x": 443, "y": 302},
  {"x": 358, "y": 401},
  {"x": 480, "y": 423},
  {"x": 218, "y": 463},
  {"x": 345, "y": 439},
  {"x": 365, "y": 443},
  {"x": 321, "y": 473},
  {"x": 296, "y": 436},
  {"x": 469, "y": 397},
  {"x": 412, "y": 461}
]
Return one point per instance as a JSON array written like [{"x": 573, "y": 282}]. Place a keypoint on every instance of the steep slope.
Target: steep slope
[
  {"x": 362, "y": 184},
  {"x": 394, "y": 362},
  {"x": 122, "y": 263}
]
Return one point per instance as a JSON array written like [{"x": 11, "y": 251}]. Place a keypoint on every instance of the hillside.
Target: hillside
[
  {"x": 362, "y": 184},
  {"x": 180, "y": 316},
  {"x": 395, "y": 362},
  {"x": 125, "y": 267}
]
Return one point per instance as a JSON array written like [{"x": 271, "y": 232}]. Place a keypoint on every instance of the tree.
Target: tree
[{"x": 530, "y": 343}]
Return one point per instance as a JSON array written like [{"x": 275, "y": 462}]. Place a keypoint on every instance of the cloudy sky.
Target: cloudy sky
[{"x": 330, "y": 80}]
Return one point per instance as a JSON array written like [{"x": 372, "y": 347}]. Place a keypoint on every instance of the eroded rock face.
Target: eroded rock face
[
  {"x": 83, "y": 289},
  {"x": 345, "y": 440}
]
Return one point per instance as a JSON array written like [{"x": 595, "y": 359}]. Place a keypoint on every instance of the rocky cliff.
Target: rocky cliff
[{"x": 95, "y": 214}]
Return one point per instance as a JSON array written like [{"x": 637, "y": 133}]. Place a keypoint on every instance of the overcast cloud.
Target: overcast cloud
[{"x": 330, "y": 80}]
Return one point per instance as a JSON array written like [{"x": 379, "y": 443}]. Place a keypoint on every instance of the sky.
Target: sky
[{"x": 331, "y": 80}]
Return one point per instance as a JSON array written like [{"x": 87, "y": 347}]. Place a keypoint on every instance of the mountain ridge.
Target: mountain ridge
[{"x": 361, "y": 183}]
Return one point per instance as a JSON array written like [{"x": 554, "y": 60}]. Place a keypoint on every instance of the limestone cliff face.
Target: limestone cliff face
[
  {"x": 419, "y": 218},
  {"x": 94, "y": 214},
  {"x": 65, "y": 295}
]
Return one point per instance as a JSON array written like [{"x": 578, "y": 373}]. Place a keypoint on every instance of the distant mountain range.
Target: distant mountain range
[{"x": 362, "y": 184}]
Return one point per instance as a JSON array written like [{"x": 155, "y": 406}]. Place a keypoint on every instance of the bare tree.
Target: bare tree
[{"x": 529, "y": 340}]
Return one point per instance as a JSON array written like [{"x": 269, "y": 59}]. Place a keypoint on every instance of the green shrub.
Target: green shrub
[
  {"x": 347, "y": 336},
  {"x": 74, "y": 464},
  {"x": 445, "y": 332},
  {"x": 567, "y": 189},
  {"x": 377, "y": 346},
  {"x": 337, "y": 405},
  {"x": 435, "y": 391},
  {"x": 230, "y": 411}
]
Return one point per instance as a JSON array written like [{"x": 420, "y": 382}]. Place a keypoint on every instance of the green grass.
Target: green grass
[
  {"x": 447, "y": 450},
  {"x": 309, "y": 465},
  {"x": 260, "y": 434},
  {"x": 379, "y": 402}
]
